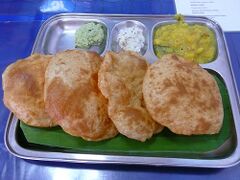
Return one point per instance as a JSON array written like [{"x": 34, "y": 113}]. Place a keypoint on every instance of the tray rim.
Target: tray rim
[{"x": 229, "y": 161}]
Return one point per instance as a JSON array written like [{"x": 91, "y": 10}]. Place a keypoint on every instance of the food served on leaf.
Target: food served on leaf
[
  {"x": 23, "y": 84},
  {"x": 183, "y": 96},
  {"x": 72, "y": 96},
  {"x": 95, "y": 99},
  {"x": 194, "y": 42},
  {"x": 120, "y": 80}
]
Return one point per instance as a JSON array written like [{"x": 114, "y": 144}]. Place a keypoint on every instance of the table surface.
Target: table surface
[{"x": 19, "y": 24}]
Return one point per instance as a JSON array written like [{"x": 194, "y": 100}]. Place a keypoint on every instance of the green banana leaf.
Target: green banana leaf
[{"x": 165, "y": 143}]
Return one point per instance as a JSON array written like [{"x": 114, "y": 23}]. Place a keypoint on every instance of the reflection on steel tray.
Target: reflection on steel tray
[{"x": 57, "y": 34}]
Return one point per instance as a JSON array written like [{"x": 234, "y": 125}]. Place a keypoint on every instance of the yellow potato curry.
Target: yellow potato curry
[{"x": 194, "y": 42}]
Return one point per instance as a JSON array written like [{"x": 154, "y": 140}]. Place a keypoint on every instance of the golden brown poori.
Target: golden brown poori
[
  {"x": 183, "y": 96},
  {"x": 23, "y": 83},
  {"x": 120, "y": 80},
  {"x": 72, "y": 96}
]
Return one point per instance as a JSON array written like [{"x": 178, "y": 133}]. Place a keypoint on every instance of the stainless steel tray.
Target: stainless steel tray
[{"x": 57, "y": 34}]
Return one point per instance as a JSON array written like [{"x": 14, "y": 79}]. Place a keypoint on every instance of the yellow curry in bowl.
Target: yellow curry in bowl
[{"x": 194, "y": 42}]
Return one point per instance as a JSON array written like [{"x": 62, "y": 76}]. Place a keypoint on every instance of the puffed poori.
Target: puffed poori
[
  {"x": 23, "y": 83},
  {"x": 183, "y": 96},
  {"x": 72, "y": 96},
  {"x": 120, "y": 80}
]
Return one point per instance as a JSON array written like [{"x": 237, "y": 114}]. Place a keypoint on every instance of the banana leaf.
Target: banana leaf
[{"x": 165, "y": 143}]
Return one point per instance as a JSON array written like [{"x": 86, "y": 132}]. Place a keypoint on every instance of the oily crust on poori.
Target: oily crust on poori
[
  {"x": 183, "y": 96},
  {"x": 120, "y": 81},
  {"x": 72, "y": 96},
  {"x": 23, "y": 84}
]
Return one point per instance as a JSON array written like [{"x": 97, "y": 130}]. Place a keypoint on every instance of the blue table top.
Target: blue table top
[{"x": 19, "y": 24}]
